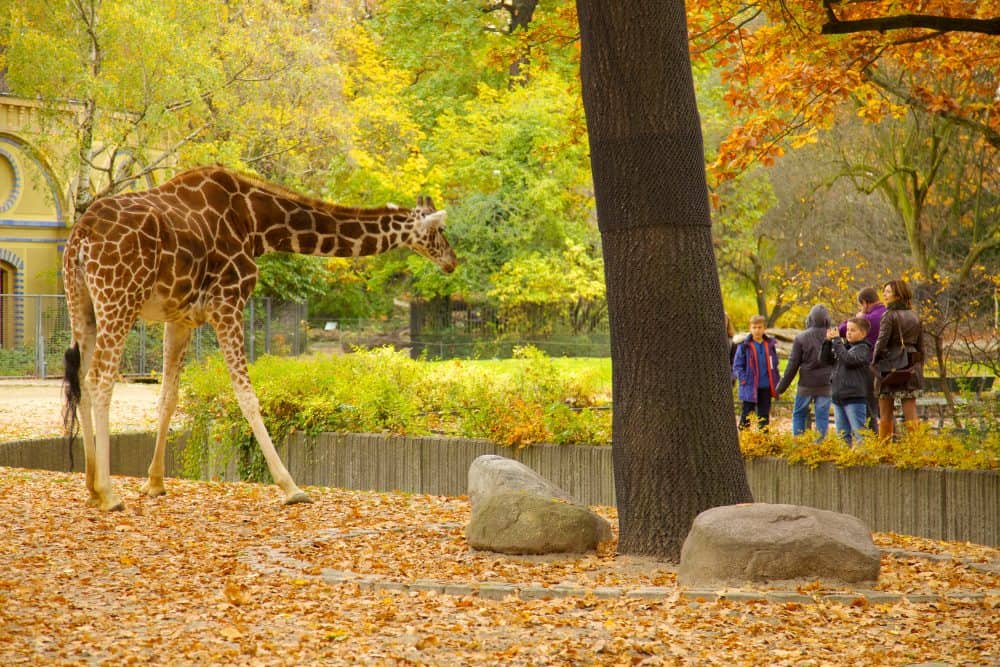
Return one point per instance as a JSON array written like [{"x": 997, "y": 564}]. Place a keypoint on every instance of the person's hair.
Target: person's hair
[
  {"x": 861, "y": 323},
  {"x": 730, "y": 329},
  {"x": 758, "y": 319},
  {"x": 901, "y": 290},
  {"x": 868, "y": 295}
]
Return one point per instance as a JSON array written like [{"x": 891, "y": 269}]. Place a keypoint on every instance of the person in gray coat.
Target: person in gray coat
[{"x": 814, "y": 375}]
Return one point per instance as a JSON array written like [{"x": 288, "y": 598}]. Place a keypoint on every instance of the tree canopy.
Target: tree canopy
[{"x": 479, "y": 106}]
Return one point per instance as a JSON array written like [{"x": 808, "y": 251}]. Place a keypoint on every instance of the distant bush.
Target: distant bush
[
  {"x": 17, "y": 361},
  {"x": 920, "y": 449}
]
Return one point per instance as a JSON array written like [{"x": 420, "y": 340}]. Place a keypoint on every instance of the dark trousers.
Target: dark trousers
[{"x": 762, "y": 408}]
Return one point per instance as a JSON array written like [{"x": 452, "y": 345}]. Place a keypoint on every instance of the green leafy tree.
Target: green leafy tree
[
  {"x": 123, "y": 86},
  {"x": 535, "y": 290}
]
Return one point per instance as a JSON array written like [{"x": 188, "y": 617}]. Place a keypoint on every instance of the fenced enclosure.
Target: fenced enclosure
[
  {"x": 452, "y": 328},
  {"x": 35, "y": 332}
]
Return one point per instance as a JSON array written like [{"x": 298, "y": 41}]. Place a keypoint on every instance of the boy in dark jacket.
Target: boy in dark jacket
[
  {"x": 850, "y": 376},
  {"x": 755, "y": 368}
]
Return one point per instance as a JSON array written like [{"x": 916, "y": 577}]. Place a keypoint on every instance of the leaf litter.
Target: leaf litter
[{"x": 166, "y": 582}]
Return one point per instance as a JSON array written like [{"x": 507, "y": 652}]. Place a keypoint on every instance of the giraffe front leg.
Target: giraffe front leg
[
  {"x": 230, "y": 334},
  {"x": 175, "y": 341}
]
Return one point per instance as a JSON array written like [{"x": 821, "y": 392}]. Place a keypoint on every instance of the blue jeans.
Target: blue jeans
[
  {"x": 800, "y": 413},
  {"x": 850, "y": 419}
]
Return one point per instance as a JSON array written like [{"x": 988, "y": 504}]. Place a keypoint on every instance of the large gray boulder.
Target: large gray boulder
[
  {"x": 491, "y": 474},
  {"x": 520, "y": 522},
  {"x": 764, "y": 543}
]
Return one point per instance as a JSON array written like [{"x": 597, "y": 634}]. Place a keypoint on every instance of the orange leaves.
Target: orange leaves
[
  {"x": 229, "y": 578},
  {"x": 784, "y": 79}
]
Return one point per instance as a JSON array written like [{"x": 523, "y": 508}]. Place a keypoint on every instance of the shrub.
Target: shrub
[
  {"x": 921, "y": 448},
  {"x": 524, "y": 401},
  {"x": 518, "y": 402}
]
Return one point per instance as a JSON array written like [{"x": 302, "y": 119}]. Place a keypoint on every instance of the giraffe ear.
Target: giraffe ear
[
  {"x": 425, "y": 204},
  {"x": 435, "y": 219}
]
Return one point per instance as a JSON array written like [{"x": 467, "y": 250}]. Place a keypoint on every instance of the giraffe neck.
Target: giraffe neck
[
  {"x": 278, "y": 219},
  {"x": 294, "y": 224}
]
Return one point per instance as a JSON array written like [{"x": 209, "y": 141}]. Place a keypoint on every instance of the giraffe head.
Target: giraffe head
[{"x": 428, "y": 238}]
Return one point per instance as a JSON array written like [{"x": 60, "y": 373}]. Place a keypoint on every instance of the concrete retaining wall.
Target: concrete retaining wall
[{"x": 962, "y": 505}]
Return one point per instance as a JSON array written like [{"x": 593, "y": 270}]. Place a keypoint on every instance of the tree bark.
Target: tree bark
[{"x": 675, "y": 446}]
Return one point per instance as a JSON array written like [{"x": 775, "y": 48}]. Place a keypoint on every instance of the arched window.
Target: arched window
[
  {"x": 11, "y": 298},
  {"x": 7, "y": 275}
]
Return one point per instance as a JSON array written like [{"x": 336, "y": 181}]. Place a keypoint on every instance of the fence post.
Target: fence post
[
  {"x": 267, "y": 325},
  {"x": 39, "y": 339},
  {"x": 142, "y": 346}
]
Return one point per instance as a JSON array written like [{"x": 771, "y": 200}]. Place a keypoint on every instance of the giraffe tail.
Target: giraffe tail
[{"x": 71, "y": 386}]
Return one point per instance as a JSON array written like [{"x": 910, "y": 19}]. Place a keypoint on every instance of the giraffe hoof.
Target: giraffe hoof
[
  {"x": 111, "y": 504},
  {"x": 153, "y": 490},
  {"x": 298, "y": 497}
]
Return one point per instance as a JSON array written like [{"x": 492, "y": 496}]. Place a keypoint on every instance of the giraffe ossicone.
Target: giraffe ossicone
[{"x": 184, "y": 253}]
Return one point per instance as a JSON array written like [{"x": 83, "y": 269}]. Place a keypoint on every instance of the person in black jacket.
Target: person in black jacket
[{"x": 849, "y": 380}]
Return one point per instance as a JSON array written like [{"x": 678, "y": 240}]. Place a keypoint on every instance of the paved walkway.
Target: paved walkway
[
  {"x": 273, "y": 561},
  {"x": 32, "y": 408}
]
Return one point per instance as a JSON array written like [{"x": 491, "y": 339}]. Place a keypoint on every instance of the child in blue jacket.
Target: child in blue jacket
[{"x": 755, "y": 368}]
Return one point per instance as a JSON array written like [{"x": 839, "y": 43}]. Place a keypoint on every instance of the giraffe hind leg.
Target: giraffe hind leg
[
  {"x": 78, "y": 360},
  {"x": 100, "y": 382}
]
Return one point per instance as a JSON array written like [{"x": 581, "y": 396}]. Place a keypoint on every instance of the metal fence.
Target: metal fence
[
  {"x": 35, "y": 332},
  {"x": 345, "y": 334}
]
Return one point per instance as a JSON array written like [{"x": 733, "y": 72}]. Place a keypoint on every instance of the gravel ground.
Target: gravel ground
[{"x": 33, "y": 408}]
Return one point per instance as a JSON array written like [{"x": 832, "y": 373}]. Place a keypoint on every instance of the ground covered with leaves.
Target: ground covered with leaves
[{"x": 222, "y": 574}]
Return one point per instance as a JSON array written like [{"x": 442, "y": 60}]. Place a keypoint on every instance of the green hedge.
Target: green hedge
[{"x": 519, "y": 402}]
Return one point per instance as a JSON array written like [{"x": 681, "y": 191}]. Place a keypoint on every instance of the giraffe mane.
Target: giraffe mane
[{"x": 283, "y": 191}]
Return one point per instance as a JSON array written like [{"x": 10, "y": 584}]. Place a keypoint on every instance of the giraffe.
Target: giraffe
[{"x": 183, "y": 253}]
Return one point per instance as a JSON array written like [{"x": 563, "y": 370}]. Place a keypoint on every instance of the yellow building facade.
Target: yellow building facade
[
  {"x": 33, "y": 222},
  {"x": 35, "y": 218}
]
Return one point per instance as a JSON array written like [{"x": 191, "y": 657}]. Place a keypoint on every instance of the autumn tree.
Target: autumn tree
[
  {"x": 673, "y": 457},
  {"x": 929, "y": 97},
  {"x": 505, "y": 153},
  {"x": 131, "y": 89}
]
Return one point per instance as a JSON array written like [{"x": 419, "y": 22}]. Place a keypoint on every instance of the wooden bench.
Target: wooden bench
[{"x": 932, "y": 404}]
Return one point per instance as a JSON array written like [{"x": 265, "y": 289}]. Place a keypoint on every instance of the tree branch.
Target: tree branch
[
  {"x": 992, "y": 136},
  {"x": 941, "y": 24}
]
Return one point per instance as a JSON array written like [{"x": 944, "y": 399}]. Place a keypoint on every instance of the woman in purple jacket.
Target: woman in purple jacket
[{"x": 755, "y": 368}]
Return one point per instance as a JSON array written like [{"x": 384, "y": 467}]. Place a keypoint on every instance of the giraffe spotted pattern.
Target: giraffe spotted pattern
[{"x": 184, "y": 253}]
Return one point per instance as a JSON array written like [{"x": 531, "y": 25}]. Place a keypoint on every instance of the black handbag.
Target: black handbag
[{"x": 895, "y": 369}]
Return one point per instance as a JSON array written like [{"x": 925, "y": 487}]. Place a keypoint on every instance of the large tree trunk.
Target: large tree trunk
[{"x": 675, "y": 446}]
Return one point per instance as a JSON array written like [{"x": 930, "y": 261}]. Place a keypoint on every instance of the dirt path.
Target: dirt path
[{"x": 33, "y": 408}]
